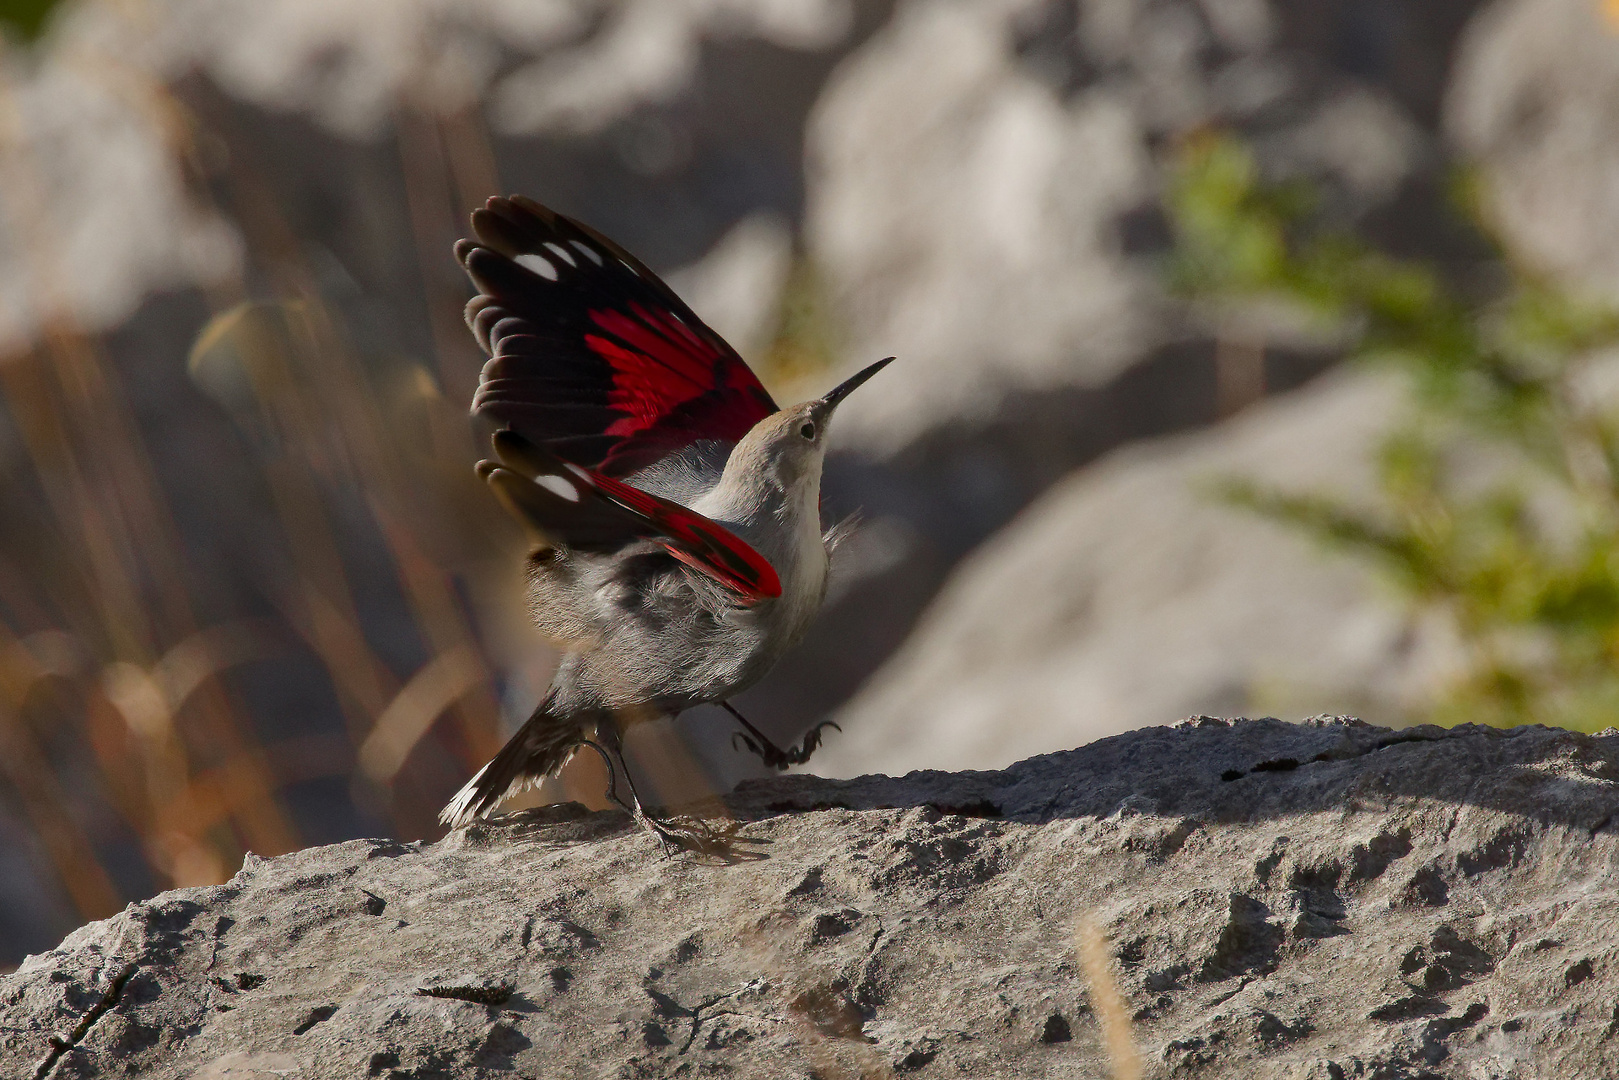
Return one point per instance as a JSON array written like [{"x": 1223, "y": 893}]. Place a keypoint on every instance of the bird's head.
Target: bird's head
[{"x": 787, "y": 447}]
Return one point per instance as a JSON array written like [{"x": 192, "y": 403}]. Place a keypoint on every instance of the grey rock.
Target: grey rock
[
  {"x": 101, "y": 182},
  {"x": 1129, "y": 592},
  {"x": 982, "y": 186},
  {"x": 1326, "y": 899},
  {"x": 738, "y": 285},
  {"x": 962, "y": 210},
  {"x": 983, "y": 177},
  {"x": 1531, "y": 102}
]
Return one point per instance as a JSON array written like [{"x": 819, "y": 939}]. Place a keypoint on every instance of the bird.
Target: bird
[{"x": 674, "y": 509}]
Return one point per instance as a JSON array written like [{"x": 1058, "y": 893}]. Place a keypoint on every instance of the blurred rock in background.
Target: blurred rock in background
[
  {"x": 1127, "y": 594},
  {"x": 1532, "y": 102},
  {"x": 250, "y": 595},
  {"x": 983, "y": 201}
]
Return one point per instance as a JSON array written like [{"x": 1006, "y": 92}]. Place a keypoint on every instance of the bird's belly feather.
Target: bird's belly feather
[{"x": 656, "y": 634}]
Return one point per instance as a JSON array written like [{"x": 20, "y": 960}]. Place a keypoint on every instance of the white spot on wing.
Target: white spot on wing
[
  {"x": 538, "y": 264},
  {"x": 559, "y": 487},
  {"x": 561, "y": 253},
  {"x": 586, "y": 250}
]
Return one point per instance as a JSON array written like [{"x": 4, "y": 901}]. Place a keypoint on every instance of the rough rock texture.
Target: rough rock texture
[{"x": 1322, "y": 900}]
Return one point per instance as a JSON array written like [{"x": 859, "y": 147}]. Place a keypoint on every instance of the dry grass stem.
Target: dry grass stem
[{"x": 1112, "y": 1016}]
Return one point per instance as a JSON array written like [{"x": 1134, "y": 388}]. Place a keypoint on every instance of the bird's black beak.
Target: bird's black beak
[{"x": 847, "y": 386}]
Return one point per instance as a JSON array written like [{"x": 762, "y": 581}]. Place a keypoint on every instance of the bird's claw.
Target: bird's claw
[{"x": 774, "y": 757}]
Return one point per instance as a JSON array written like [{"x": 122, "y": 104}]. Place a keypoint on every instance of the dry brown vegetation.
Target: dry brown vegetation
[{"x": 121, "y": 721}]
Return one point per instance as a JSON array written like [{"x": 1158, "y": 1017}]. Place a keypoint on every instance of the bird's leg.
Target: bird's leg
[
  {"x": 607, "y": 732},
  {"x": 772, "y": 755},
  {"x": 612, "y": 775},
  {"x": 613, "y": 755}
]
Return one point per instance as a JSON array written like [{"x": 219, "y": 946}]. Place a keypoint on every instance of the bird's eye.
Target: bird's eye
[{"x": 808, "y": 430}]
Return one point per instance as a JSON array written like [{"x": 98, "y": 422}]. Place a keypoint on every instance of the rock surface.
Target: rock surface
[{"x": 1320, "y": 900}]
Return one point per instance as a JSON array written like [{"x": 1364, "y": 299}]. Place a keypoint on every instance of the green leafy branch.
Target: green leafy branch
[
  {"x": 1498, "y": 492},
  {"x": 26, "y": 19}
]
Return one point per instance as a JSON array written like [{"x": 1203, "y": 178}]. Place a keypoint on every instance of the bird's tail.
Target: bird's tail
[{"x": 539, "y": 749}]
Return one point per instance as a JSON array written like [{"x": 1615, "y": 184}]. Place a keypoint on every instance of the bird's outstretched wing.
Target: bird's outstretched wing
[
  {"x": 591, "y": 355},
  {"x": 580, "y": 508}
]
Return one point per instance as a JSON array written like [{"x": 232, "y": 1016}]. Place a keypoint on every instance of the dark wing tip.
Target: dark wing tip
[
  {"x": 526, "y": 458},
  {"x": 545, "y": 283},
  {"x": 507, "y": 441},
  {"x": 501, "y": 231},
  {"x": 539, "y": 210}
]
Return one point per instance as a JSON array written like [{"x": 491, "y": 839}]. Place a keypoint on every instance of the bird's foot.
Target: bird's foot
[
  {"x": 768, "y": 752},
  {"x": 701, "y": 836},
  {"x": 775, "y": 757},
  {"x": 675, "y": 833}
]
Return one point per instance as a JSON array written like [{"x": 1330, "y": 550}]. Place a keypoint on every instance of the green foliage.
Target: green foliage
[
  {"x": 805, "y": 341},
  {"x": 26, "y": 18},
  {"x": 1498, "y": 494}
]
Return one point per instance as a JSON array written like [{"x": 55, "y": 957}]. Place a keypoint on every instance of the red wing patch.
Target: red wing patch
[
  {"x": 696, "y": 541},
  {"x": 591, "y": 354},
  {"x": 568, "y": 504}
]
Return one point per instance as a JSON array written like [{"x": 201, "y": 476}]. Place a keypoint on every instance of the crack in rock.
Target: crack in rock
[
  {"x": 60, "y": 1045},
  {"x": 1290, "y": 764},
  {"x": 668, "y": 1007}
]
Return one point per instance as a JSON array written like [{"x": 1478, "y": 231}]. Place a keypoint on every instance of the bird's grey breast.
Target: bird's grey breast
[{"x": 669, "y": 634}]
